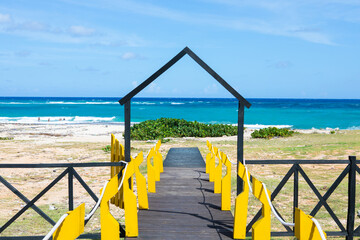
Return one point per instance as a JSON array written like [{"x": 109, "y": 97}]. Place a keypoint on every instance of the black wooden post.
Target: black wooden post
[
  {"x": 296, "y": 190},
  {"x": 127, "y": 131},
  {"x": 71, "y": 189},
  {"x": 351, "y": 199},
  {"x": 240, "y": 145}
]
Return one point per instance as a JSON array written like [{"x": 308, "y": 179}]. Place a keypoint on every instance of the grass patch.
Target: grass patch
[
  {"x": 107, "y": 148},
  {"x": 6, "y": 138}
]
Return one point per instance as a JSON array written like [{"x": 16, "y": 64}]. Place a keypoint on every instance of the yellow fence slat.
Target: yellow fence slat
[
  {"x": 212, "y": 168},
  {"x": 226, "y": 184},
  {"x": 305, "y": 228},
  {"x": 261, "y": 230},
  {"x": 208, "y": 157},
  {"x": 217, "y": 173},
  {"x": 140, "y": 182},
  {"x": 241, "y": 205},
  {"x": 151, "y": 171},
  {"x": 130, "y": 204},
  {"x": 109, "y": 225},
  {"x": 72, "y": 226},
  {"x": 120, "y": 195},
  {"x": 112, "y": 159},
  {"x": 159, "y": 161}
]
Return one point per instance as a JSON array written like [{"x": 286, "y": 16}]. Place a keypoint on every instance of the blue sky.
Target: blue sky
[{"x": 270, "y": 49}]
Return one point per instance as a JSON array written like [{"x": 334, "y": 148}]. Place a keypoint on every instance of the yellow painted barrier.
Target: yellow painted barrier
[
  {"x": 217, "y": 173},
  {"x": 157, "y": 166},
  {"x": 241, "y": 205},
  {"x": 151, "y": 171},
  {"x": 305, "y": 228},
  {"x": 140, "y": 182},
  {"x": 226, "y": 184},
  {"x": 208, "y": 158},
  {"x": 130, "y": 206},
  {"x": 112, "y": 159},
  {"x": 110, "y": 228},
  {"x": 72, "y": 226},
  {"x": 212, "y": 168},
  {"x": 262, "y": 228},
  {"x": 159, "y": 162}
]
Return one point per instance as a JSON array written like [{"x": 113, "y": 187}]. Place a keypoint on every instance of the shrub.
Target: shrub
[
  {"x": 171, "y": 127},
  {"x": 107, "y": 148},
  {"x": 6, "y": 138},
  {"x": 271, "y": 132}
]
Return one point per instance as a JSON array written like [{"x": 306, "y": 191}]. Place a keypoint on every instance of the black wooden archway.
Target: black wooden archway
[{"x": 242, "y": 103}]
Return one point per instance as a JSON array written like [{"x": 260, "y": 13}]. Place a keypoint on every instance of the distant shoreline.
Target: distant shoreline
[{"x": 122, "y": 124}]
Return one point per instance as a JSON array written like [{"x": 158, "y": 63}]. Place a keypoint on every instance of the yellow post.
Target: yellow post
[
  {"x": 208, "y": 158},
  {"x": 157, "y": 146},
  {"x": 151, "y": 171},
  {"x": 218, "y": 174},
  {"x": 226, "y": 185},
  {"x": 130, "y": 204},
  {"x": 212, "y": 168},
  {"x": 72, "y": 226},
  {"x": 140, "y": 182},
  {"x": 109, "y": 225},
  {"x": 158, "y": 161},
  {"x": 305, "y": 228},
  {"x": 112, "y": 159},
  {"x": 157, "y": 166},
  {"x": 117, "y": 169},
  {"x": 120, "y": 195},
  {"x": 262, "y": 228},
  {"x": 241, "y": 205}
]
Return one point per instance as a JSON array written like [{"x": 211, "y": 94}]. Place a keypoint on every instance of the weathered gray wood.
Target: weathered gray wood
[{"x": 185, "y": 207}]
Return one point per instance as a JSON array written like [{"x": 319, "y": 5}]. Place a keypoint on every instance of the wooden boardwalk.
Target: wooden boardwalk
[{"x": 184, "y": 205}]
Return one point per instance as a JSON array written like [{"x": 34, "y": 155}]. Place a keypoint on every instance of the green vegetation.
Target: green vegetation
[
  {"x": 107, "y": 148},
  {"x": 171, "y": 127},
  {"x": 271, "y": 132},
  {"x": 6, "y": 138}
]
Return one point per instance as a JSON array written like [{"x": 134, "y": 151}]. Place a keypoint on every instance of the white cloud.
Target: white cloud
[
  {"x": 81, "y": 31},
  {"x": 285, "y": 16},
  {"x": 213, "y": 88},
  {"x": 130, "y": 56},
  {"x": 5, "y": 18},
  {"x": 134, "y": 83},
  {"x": 153, "y": 88}
]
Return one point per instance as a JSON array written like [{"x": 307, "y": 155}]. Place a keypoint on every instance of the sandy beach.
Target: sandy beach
[{"x": 69, "y": 143}]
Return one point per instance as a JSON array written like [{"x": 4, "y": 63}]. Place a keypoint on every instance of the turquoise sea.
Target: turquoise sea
[{"x": 295, "y": 113}]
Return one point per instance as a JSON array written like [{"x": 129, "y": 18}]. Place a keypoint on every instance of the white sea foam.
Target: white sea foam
[
  {"x": 61, "y": 102},
  {"x": 55, "y": 120},
  {"x": 15, "y": 103},
  {"x": 260, "y": 126},
  {"x": 354, "y": 128},
  {"x": 176, "y": 103},
  {"x": 144, "y": 103},
  {"x": 93, "y": 119}
]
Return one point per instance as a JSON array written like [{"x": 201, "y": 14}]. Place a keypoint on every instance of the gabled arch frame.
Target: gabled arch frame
[{"x": 242, "y": 103}]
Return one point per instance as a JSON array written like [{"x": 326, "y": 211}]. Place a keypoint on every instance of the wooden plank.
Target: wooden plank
[{"x": 185, "y": 207}]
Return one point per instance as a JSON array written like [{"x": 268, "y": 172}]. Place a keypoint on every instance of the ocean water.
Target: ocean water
[{"x": 294, "y": 113}]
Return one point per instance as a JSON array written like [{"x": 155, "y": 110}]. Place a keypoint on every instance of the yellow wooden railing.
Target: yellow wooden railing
[
  {"x": 118, "y": 191},
  {"x": 305, "y": 226}
]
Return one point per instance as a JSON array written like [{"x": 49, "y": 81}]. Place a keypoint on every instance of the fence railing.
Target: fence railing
[
  {"x": 350, "y": 169},
  {"x": 71, "y": 174}
]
